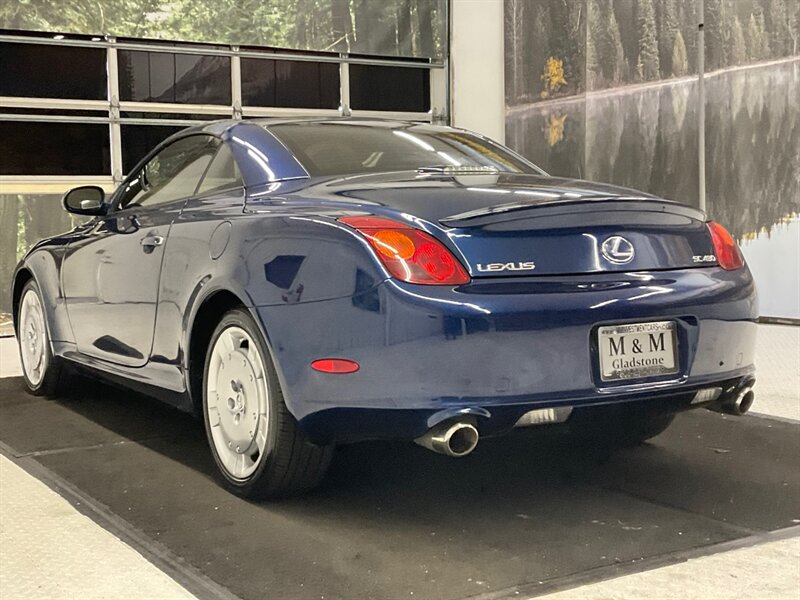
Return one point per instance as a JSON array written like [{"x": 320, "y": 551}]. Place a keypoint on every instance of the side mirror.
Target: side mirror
[{"x": 85, "y": 200}]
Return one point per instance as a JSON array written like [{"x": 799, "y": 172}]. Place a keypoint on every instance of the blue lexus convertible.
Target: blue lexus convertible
[{"x": 305, "y": 283}]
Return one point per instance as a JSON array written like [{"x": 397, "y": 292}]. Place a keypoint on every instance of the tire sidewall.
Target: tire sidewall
[{"x": 241, "y": 318}]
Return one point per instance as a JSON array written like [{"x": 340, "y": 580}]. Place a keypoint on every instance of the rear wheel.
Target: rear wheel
[
  {"x": 44, "y": 373},
  {"x": 255, "y": 441}
]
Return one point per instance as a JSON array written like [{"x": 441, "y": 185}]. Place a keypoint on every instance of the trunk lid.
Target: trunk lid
[
  {"x": 609, "y": 234},
  {"x": 504, "y": 225}
]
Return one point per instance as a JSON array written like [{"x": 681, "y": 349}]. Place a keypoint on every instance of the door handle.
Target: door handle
[{"x": 151, "y": 241}]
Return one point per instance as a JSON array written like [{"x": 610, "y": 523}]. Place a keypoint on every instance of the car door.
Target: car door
[{"x": 111, "y": 276}]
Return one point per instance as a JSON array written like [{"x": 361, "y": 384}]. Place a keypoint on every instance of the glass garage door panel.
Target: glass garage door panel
[
  {"x": 138, "y": 140},
  {"x": 26, "y": 219},
  {"x": 405, "y": 89},
  {"x": 174, "y": 78},
  {"x": 54, "y": 149},
  {"x": 289, "y": 83},
  {"x": 61, "y": 72}
]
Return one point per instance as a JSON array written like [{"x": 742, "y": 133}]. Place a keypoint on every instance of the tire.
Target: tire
[
  {"x": 44, "y": 373},
  {"x": 259, "y": 450}
]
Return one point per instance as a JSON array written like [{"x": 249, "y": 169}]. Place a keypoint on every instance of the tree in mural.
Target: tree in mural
[
  {"x": 738, "y": 46},
  {"x": 514, "y": 35},
  {"x": 647, "y": 65},
  {"x": 668, "y": 29},
  {"x": 793, "y": 27},
  {"x": 713, "y": 33},
  {"x": 757, "y": 41},
  {"x": 778, "y": 16},
  {"x": 404, "y": 27},
  {"x": 604, "y": 44},
  {"x": 680, "y": 63},
  {"x": 529, "y": 24},
  {"x": 628, "y": 41},
  {"x": 553, "y": 76},
  {"x": 569, "y": 17}
]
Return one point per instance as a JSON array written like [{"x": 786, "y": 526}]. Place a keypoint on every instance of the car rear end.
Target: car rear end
[{"x": 550, "y": 310}]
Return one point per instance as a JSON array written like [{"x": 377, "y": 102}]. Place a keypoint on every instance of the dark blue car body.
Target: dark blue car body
[{"x": 495, "y": 348}]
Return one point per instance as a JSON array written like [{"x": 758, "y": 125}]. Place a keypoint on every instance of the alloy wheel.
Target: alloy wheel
[
  {"x": 32, "y": 338},
  {"x": 237, "y": 402}
]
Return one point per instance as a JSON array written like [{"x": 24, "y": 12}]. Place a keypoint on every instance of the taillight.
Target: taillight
[
  {"x": 728, "y": 254},
  {"x": 409, "y": 254}
]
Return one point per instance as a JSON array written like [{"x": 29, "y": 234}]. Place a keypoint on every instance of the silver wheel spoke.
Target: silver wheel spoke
[
  {"x": 213, "y": 416},
  {"x": 32, "y": 338},
  {"x": 237, "y": 402},
  {"x": 226, "y": 341}
]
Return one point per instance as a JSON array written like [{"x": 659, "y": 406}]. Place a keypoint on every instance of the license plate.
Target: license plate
[{"x": 637, "y": 350}]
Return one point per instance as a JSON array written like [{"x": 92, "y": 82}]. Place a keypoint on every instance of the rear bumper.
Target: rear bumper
[{"x": 501, "y": 348}]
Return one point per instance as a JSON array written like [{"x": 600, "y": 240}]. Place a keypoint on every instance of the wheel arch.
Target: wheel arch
[
  {"x": 201, "y": 325},
  {"x": 205, "y": 318},
  {"x": 21, "y": 277}
]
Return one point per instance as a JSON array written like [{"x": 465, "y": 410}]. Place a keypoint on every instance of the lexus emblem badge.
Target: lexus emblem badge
[{"x": 617, "y": 250}]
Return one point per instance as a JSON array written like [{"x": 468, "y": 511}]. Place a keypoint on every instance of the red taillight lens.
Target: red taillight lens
[
  {"x": 728, "y": 254},
  {"x": 409, "y": 254}
]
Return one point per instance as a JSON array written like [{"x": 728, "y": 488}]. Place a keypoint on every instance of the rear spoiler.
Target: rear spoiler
[{"x": 499, "y": 213}]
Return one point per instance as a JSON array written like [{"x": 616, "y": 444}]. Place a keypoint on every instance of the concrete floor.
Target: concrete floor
[
  {"x": 70, "y": 556},
  {"x": 50, "y": 550}
]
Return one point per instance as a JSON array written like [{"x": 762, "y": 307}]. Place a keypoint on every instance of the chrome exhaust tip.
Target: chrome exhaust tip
[
  {"x": 737, "y": 405},
  {"x": 742, "y": 402},
  {"x": 451, "y": 439}
]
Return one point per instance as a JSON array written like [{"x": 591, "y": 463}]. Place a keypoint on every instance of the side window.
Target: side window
[
  {"x": 172, "y": 174},
  {"x": 222, "y": 174}
]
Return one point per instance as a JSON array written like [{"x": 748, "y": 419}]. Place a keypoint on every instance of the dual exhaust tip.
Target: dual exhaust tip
[
  {"x": 458, "y": 439},
  {"x": 455, "y": 439},
  {"x": 742, "y": 402},
  {"x": 738, "y": 403}
]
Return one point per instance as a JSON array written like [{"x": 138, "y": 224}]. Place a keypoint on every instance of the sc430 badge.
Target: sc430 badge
[
  {"x": 510, "y": 266},
  {"x": 704, "y": 258}
]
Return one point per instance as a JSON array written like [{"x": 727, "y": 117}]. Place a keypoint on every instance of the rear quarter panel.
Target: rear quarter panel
[{"x": 267, "y": 257}]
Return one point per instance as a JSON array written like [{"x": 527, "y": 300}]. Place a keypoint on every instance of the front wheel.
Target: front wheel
[
  {"x": 255, "y": 440},
  {"x": 44, "y": 374}
]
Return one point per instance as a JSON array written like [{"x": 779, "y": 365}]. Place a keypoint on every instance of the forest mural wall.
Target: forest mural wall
[
  {"x": 388, "y": 27},
  {"x": 557, "y": 48},
  {"x": 606, "y": 90}
]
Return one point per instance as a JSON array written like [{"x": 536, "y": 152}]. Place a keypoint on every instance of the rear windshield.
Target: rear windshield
[{"x": 344, "y": 149}]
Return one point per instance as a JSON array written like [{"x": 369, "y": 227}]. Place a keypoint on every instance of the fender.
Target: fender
[{"x": 43, "y": 262}]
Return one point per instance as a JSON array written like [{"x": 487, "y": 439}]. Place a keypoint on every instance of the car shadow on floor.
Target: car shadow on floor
[{"x": 394, "y": 518}]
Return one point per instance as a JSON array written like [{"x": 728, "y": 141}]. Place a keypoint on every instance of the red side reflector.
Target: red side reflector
[
  {"x": 335, "y": 365},
  {"x": 728, "y": 254}
]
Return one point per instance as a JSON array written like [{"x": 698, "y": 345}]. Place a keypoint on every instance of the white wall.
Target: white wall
[{"x": 477, "y": 76}]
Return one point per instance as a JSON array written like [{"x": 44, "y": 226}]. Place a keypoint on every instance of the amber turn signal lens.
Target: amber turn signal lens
[
  {"x": 393, "y": 243},
  {"x": 409, "y": 254}
]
